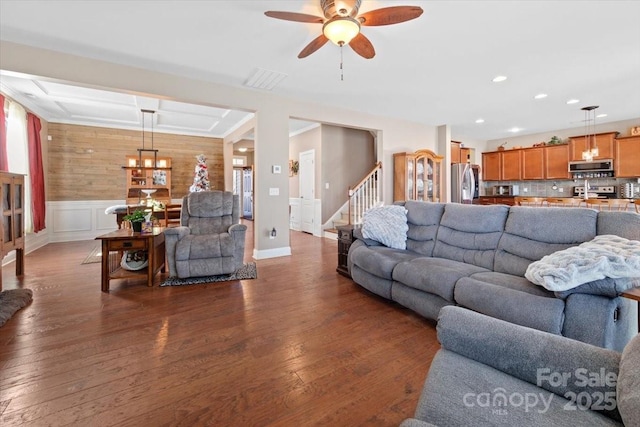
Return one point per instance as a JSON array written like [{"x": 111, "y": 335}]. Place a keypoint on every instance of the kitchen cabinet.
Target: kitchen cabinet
[
  {"x": 497, "y": 200},
  {"x": 556, "y": 162},
  {"x": 147, "y": 176},
  {"x": 533, "y": 163},
  {"x": 455, "y": 152},
  {"x": 459, "y": 154},
  {"x": 502, "y": 165},
  {"x": 491, "y": 166},
  {"x": 511, "y": 165},
  {"x": 417, "y": 176},
  {"x": 12, "y": 219},
  {"x": 548, "y": 162},
  {"x": 627, "y": 160},
  {"x": 604, "y": 141}
]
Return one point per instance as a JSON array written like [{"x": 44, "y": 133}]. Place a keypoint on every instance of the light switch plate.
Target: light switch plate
[{"x": 274, "y": 191}]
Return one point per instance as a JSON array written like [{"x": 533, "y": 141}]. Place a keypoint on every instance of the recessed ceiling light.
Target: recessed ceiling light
[
  {"x": 498, "y": 79},
  {"x": 540, "y": 96},
  {"x": 514, "y": 130},
  {"x": 242, "y": 149},
  {"x": 599, "y": 116},
  {"x": 573, "y": 101},
  {"x": 480, "y": 121}
]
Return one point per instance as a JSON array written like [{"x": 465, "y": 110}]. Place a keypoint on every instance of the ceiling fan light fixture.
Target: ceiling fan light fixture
[{"x": 341, "y": 29}]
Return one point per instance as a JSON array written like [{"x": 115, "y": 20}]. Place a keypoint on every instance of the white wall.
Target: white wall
[
  {"x": 272, "y": 116},
  {"x": 622, "y": 126}
]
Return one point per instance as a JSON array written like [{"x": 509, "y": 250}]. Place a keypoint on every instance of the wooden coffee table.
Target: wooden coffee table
[{"x": 128, "y": 240}]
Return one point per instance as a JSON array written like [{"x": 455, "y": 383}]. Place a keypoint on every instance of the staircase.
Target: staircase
[{"x": 364, "y": 195}]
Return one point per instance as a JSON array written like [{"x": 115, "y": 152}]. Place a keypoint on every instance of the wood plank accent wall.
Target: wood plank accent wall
[{"x": 85, "y": 162}]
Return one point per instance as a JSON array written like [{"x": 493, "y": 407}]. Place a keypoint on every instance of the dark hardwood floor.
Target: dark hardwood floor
[{"x": 298, "y": 346}]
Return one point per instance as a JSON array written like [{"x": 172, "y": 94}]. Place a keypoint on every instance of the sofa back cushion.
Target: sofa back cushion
[
  {"x": 623, "y": 224},
  {"x": 470, "y": 233},
  {"x": 423, "y": 219},
  {"x": 531, "y": 233}
]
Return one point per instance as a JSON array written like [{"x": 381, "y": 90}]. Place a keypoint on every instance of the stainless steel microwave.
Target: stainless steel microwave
[{"x": 604, "y": 165}]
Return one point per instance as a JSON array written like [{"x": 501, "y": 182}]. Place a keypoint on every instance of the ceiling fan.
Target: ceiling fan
[{"x": 341, "y": 24}]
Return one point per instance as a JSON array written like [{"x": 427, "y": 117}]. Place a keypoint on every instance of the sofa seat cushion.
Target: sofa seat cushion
[
  {"x": 379, "y": 260},
  {"x": 437, "y": 276},
  {"x": 479, "y": 395},
  {"x": 511, "y": 300},
  {"x": 513, "y": 282}
]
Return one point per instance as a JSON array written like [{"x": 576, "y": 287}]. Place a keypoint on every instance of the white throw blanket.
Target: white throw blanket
[{"x": 604, "y": 256}]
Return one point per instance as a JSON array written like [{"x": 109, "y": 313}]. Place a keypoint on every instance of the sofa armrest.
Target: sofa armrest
[
  {"x": 553, "y": 362},
  {"x": 171, "y": 237},
  {"x": 357, "y": 234},
  {"x": 414, "y": 422},
  {"x": 607, "y": 287},
  {"x": 238, "y": 232}
]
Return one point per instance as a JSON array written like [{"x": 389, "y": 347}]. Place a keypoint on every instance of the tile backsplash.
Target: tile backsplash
[{"x": 540, "y": 188}]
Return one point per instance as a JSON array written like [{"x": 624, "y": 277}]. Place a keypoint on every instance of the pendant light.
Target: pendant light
[
  {"x": 591, "y": 149},
  {"x": 144, "y": 149}
]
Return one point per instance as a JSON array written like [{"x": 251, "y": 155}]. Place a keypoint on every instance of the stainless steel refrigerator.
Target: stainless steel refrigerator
[{"x": 464, "y": 182}]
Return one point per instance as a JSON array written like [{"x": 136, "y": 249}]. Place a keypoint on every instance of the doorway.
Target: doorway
[
  {"x": 306, "y": 176},
  {"x": 243, "y": 186}
]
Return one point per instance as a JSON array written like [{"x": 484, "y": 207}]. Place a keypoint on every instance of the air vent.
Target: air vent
[{"x": 264, "y": 79}]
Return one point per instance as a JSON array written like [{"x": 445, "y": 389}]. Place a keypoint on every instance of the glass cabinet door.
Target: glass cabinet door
[
  {"x": 420, "y": 178},
  {"x": 429, "y": 179},
  {"x": 410, "y": 189}
]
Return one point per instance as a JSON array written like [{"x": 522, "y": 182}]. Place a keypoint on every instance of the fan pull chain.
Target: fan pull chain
[{"x": 341, "y": 68}]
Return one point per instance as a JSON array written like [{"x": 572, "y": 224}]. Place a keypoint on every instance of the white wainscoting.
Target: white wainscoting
[
  {"x": 80, "y": 220},
  {"x": 294, "y": 214}
]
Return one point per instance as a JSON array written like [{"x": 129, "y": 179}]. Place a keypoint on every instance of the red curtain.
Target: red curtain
[
  {"x": 4, "y": 162},
  {"x": 37, "y": 172}
]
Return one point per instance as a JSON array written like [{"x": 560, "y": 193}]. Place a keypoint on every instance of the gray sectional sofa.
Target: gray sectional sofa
[
  {"x": 476, "y": 256},
  {"x": 494, "y": 373}
]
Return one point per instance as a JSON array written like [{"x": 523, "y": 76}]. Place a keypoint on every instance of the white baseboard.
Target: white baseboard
[{"x": 271, "y": 253}]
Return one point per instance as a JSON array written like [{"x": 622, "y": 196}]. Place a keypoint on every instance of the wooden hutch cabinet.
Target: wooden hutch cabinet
[
  {"x": 417, "y": 176},
  {"x": 604, "y": 141},
  {"x": 12, "y": 219},
  {"x": 627, "y": 159},
  {"x": 148, "y": 177}
]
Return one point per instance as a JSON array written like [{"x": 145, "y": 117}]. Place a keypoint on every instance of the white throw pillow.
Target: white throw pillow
[{"x": 387, "y": 225}]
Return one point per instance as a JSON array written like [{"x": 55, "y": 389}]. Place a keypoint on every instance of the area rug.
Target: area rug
[
  {"x": 246, "y": 272},
  {"x": 13, "y": 300},
  {"x": 94, "y": 256}
]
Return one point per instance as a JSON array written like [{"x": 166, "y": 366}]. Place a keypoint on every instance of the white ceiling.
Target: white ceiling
[{"x": 435, "y": 70}]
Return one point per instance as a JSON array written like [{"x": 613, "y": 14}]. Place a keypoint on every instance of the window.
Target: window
[
  {"x": 239, "y": 160},
  {"x": 17, "y": 152}
]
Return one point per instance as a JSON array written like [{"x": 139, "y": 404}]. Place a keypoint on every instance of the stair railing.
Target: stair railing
[{"x": 366, "y": 194}]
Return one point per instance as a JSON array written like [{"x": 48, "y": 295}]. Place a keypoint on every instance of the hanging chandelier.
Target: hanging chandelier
[
  {"x": 591, "y": 143},
  {"x": 144, "y": 149}
]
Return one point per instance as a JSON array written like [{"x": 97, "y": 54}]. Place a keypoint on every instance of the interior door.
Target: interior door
[{"x": 306, "y": 176}]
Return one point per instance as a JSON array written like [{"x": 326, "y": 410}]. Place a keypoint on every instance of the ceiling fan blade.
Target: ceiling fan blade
[
  {"x": 296, "y": 17},
  {"x": 390, "y": 15},
  {"x": 315, "y": 44},
  {"x": 362, "y": 46}
]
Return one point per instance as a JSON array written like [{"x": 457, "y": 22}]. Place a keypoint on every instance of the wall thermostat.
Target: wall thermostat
[{"x": 276, "y": 169}]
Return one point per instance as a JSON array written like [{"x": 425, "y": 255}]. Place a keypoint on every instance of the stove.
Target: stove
[{"x": 596, "y": 191}]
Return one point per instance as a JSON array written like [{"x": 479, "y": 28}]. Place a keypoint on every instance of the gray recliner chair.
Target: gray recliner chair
[{"x": 209, "y": 240}]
